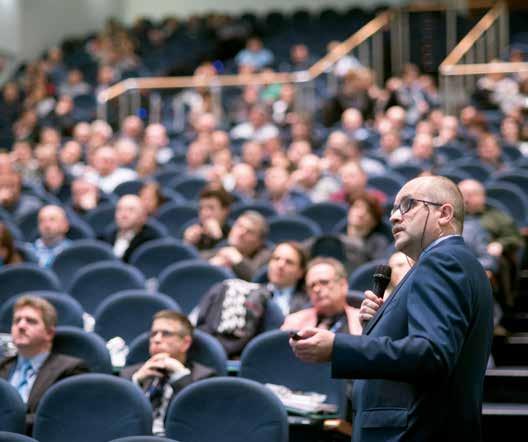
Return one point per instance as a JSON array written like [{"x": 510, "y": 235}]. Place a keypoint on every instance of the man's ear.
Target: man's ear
[
  {"x": 447, "y": 213},
  {"x": 186, "y": 344}
]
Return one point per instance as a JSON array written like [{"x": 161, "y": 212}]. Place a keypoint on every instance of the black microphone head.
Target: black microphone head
[{"x": 381, "y": 276}]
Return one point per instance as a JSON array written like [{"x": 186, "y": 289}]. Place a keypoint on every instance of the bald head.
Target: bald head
[
  {"x": 474, "y": 195},
  {"x": 52, "y": 224},
  {"x": 130, "y": 214}
]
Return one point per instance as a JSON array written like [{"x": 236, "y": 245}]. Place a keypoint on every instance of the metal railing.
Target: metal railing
[
  {"x": 367, "y": 42},
  {"x": 474, "y": 56}
]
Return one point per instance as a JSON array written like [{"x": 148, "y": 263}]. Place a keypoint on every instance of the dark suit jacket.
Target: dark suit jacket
[
  {"x": 420, "y": 363},
  {"x": 198, "y": 372},
  {"x": 56, "y": 367},
  {"x": 147, "y": 233}
]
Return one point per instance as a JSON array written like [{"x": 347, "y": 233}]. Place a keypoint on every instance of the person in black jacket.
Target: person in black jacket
[{"x": 132, "y": 230}]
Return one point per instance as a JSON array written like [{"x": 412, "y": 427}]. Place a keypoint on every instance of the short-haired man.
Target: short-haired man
[
  {"x": 12, "y": 200},
  {"x": 419, "y": 365},
  {"x": 36, "y": 366},
  {"x": 53, "y": 226},
  {"x": 212, "y": 213},
  {"x": 327, "y": 287},
  {"x": 131, "y": 229},
  {"x": 168, "y": 370},
  {"x": 246, "y": 250}
]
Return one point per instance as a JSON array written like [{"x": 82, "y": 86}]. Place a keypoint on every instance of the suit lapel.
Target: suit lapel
[
  {"x": 5, "y": 366},
  {"x": 45, "y": 378},
  {"x": 379, "y": 313}
]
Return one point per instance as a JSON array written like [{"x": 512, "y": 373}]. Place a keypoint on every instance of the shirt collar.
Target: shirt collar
[
  {"x": 437, "y": 241},
  {"x": 36, "y": 361}
]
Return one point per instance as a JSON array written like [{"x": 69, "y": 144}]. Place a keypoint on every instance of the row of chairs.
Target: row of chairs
[
  {"x": 106, "y": 408},
  {"x": 91, "y": 279}
]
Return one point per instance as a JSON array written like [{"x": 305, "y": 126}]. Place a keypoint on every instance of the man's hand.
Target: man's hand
[
  {"x": 315, "y": 345},
  {"x": 495, "y": 248},
  {"x": 159, "y": 365},
  {"x": 212, "y": 228},
  {"x": 369, "y": 307},
  {"x": 192, "y": 234},
  {"x": 231, "y": 255}
]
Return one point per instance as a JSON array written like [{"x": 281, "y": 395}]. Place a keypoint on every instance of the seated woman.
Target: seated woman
[
  {"x": 364, "y": 241},
  {"x": 8, "y": 252}
]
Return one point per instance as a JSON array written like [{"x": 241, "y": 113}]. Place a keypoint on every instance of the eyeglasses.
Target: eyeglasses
[
  {"x": 407, "y": 203},
  {"x": 164, "y": 333}
]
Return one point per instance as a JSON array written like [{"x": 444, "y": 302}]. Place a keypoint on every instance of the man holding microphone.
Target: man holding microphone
[{"x": 419, "y": 366}]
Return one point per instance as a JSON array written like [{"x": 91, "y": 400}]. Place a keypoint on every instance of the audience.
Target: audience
[{"x": 12, "y": 200}]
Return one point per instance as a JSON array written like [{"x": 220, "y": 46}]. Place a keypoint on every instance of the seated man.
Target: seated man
[
  {"x": 212, "y": 213},
  {"x": 233, "y": 311},
  {"x": 327, "y": 287},
  {"x": 245, "y": 251},
  {"x": 11, "y": 199},
  {"x": 53, "y": 226},
  {"x": 85, "y": 196},
  {"x": 168, "y": 370},
  {"x": 131, "y": 230},
  {"x": 36, "y": 366}
]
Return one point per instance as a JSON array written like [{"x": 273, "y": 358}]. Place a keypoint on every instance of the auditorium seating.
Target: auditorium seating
[
  {"x": 25, "y": 277},
  {"x": 79, "y": 254},
  {"x": 268, "y": 358},
  {"x": 84, "y": 345},
  {"x": 226, "y": 409},
  {"x": 14, "y": 437},
  {"x": 326, "y": 214},
  {"x": 92, "y": 407},
  {"x": 187, "y": 281},
  {"x": 129, "y": 313},
  {"x": 12, "y": 409},
  {"x": 291, "y": 228},
  {"x": 95, "y": 282}
]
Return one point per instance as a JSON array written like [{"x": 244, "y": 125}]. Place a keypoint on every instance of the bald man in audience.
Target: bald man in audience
[
  {"x": 131, "y": 229},
  {"x": 53, "y": 226}
]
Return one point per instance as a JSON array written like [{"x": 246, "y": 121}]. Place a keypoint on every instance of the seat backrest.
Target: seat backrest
[
  {"x": 155, "y": 256},
  {"x": 12, "y": 409},
  {"x": 92, "y": 407},
  {"x": 95, "y": 282},
  {"x": 273, "y": 316},
  {"x": 25, "y": 277},
  {"x": 69, "y": 311},
  {"x": 204, "y": 349},
  {"x": 79, "y": 254},
  {"x": 143, "y": 439},
  {"x": 389, "y": 184},
  {"x": 101, "y": 217},
  {"x": 174, "y": 216},
  {"x": 268, "y": 358},
  {"x": 291, "y": 228},
  {"x": 6, "y": 436},
  {"x": 265, "y": 209},
  {"x": 186, "y": 282},
  {"x": 84, "y": 345},
  {"x": 330, "y": 246},
  {"x": 227, "y": 409},
  {"x": 361, "y": 278},
  {"x": 128, "y": 187},
  {"x": 326, "y": 214},
  {"x": 511, "y": 196},
  {"x": 189, "y": 187},
  {"x": 129, "y": 313}
]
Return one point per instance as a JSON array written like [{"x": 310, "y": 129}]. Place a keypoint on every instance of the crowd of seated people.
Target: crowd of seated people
[{"x": 256, "y": 152}]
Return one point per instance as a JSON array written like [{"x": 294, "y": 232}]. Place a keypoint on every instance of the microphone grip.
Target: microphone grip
[{"x": 380, "y": 284}]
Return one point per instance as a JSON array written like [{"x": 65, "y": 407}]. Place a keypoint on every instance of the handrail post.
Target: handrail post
[
  {"x": 395, "y": 30},
  {"x": 378, "y": 58},
  {"x": 504, "y": 28},
  {"x": 451, "y": 27}
]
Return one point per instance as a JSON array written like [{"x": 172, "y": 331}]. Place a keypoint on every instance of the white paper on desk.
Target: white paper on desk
[{"x": 302, "y": 402}]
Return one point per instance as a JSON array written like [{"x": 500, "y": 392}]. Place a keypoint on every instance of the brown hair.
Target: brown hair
[
  {"x": 218, "y": 193},
  {"x": 303, "y": 257},
  {"x": 186, "y": 328},
  {"x": 47, "y": 311},
  {"x": 6, "y": 241}
]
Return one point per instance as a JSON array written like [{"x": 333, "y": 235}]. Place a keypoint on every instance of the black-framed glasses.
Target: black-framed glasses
[{"x": 407, "y": 203}]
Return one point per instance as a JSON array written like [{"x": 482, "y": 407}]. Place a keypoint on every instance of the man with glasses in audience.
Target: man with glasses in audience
[
  {"x": 168, "y": 370},
  {"x": 419, "y": 365},
  {"x": 327, "y": 287},
  {"x": 36, "y": 367}
]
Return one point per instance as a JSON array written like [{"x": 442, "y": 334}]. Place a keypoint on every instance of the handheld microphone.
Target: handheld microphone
[{"x": 381, "y": 277}]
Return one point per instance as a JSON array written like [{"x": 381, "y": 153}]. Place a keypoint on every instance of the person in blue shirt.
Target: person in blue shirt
[{"x": 53, "y": 226}]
